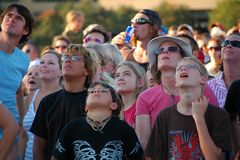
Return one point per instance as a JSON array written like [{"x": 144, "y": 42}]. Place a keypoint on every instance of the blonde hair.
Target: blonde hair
[
  {"x": 89, "y": 61},
  {"x": 71, "y": 15}
]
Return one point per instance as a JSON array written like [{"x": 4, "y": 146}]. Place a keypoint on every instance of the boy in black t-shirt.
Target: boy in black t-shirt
[
  {"x": 99, "y": 135},
  {"x": 57, "y": 109},
  {"x": 192, "y": 128}
]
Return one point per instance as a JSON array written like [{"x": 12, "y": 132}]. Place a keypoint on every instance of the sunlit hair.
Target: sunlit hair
[
  {"x": 89, "y": 62},
  {"x": 140, "y": 74},
  {"x": 60, "y": 38},
  {"x": 113, "y": 53},
  {"x": 55, "y": 54},
  {"x": 23, "y": 11},
  {"x": 115, "y": 97},
  {"x": 201, "y": 68},
  {"x": 70, "y": 17}
]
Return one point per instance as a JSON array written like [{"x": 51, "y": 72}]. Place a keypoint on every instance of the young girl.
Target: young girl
[{"x": 130, "y": 81}]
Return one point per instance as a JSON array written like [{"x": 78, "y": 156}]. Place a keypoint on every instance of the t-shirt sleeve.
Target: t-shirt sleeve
[
  {"x": 142, "y": 104},
  {"x": 134, "y": 149},
  {"x": 229, "y": 104},
  {"x": 155, "y": 146},
  {"x": 39, "y": 127},
  {"x": 61, "y": 146},
  {"x": 220, "y": 131}
]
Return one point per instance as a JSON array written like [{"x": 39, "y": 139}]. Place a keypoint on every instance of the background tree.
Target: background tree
[{"x": 226, "y": 12}]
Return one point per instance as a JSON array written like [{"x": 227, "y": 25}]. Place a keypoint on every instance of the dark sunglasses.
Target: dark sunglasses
[
  {"x": 141, "y": 21},
  {"x": 214, "y": 48},
  {"x": 65, "y": 58},
  {"x": 232, "y": 43},
  {"x": 169, "y": 49}
]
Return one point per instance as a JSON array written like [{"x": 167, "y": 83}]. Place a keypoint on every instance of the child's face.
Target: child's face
[
  {"x": 188, "y": 74},
  {"x": 125, "y": 80},
  {"x": 99, "y": 96}
]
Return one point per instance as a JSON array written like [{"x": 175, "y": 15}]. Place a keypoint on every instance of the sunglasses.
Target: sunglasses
[
  {"x": 65, "y": 58},
  {"x": 232, "y": 43},
  {"x": 89, "y": 39},
  {"x": 169, "y": 49},
  {"x": 94, "y": 90},
  {"x": 141, "y": 21},
  {"x": 214, "y": 48}
]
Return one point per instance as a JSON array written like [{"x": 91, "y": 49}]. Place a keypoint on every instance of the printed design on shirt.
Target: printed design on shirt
[
  {"x": 83, "y": 150},
  {"x": 59, "y": 147},
  {"x": 112, "y": 150},
  {"x": 136, "y": 148},
  {"x": 184, "y": 146}
]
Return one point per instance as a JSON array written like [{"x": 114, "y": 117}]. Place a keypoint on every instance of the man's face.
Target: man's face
[{"x": 14, "y": 24}]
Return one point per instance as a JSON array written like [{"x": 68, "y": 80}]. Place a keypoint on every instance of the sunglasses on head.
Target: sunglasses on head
[
  {"x": 141, "y": 21},
  {"x": 89, "y": 39},
  {"x": 232, "y": 43},
  {"x": 169, "y": 49}
]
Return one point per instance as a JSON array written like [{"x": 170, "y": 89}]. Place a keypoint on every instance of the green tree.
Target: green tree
[
  {"x": 174, "y": 15},
  {"x": 226, "y": 12}
]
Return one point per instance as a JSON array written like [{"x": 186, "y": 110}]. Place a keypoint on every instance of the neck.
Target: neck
[
  {"x": 74, "y": 85},
  {"x": 50, "y": 87},
  {"x": 8, "y": 42},
  {"x": 99, "y": 114},
  {"x": 187, "y": 96},
  {"x": 168, "y": 82},
  {"x": 128, "y": 100},
  {"x": 231, "y": 73}
]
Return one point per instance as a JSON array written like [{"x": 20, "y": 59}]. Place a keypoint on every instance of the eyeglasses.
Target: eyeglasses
[
  {"x": 89, "y": 39},
  {"x": 63, "y": 47},
  {"x": 232, "y": 43},
  {"x": 169, "y": 49},
  {"x": 188, "y": 67},
  {"x": 214, "y": 48},
  {"x": 95, "y": 90},
  {"x": 141, "y": 21},
  {"x": 65, "y": 58}
]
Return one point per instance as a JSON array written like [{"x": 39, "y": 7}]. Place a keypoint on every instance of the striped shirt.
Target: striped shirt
[{"x": 219, "y": 88}]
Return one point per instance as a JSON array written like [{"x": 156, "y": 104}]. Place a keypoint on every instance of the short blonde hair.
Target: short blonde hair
[
  {"x": 71, "y": 15},
  {"x": 89, "y": 61}
]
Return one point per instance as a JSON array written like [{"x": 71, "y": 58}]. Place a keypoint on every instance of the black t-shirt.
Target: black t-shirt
[
  {"x": 132, "y": 59},
  {"x": 54, "y": 112},
  {"x": 232, "y": 104},
  {"x": 175, "y": 136},
  {"x": 79, "y": 141}
]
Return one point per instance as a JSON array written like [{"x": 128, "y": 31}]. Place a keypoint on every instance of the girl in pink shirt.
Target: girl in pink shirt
[{"x": 130, "y": 81}]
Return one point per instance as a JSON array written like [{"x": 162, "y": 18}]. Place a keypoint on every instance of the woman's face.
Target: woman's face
[
  {"x": 168, "y": 55},
  {"x": 31, "y": 79},
  {"x": 214, "y": 51},
  {"x": 77, "y": 24}
]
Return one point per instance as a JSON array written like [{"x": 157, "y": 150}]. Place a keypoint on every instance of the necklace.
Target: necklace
[
  {"x": 170, "y": 92},
  {"x": 97, "y": 125}
]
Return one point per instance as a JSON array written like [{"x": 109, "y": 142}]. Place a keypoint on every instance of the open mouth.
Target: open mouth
[
  {"x": 165, "y": 57},
  {"x": 31, "y": 82},
  {"x": 183, "y": 75}
]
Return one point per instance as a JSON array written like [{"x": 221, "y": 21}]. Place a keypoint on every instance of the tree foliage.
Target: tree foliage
[{"x": 226, "y": 12}]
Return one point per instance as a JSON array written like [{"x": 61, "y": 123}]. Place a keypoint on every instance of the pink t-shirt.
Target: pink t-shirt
[
  {"x": 130, "y": 114},
  {"x": 154, "y": 99}
]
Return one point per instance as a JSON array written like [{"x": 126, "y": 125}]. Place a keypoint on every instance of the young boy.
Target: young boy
[
  {"x": 192, "y": 128},
  {"x": 99, "y": 135}
]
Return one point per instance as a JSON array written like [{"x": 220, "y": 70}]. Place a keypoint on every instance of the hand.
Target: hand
[
  {"x": 199, "y": 107},
  {"x": 237, "y": 156},
  {"x": 119, "y": 39}
]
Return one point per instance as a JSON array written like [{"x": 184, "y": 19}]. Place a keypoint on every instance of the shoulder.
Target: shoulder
[
  {"x": 152, "y": 91},
  {"x": 216, "y": 111}
]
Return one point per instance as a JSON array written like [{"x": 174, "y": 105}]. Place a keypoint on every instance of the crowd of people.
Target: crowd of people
[{"x": 163, "y": 95}]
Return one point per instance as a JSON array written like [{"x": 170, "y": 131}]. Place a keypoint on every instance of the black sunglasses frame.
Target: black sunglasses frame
[
  {"x": 141, "y": 21},
  {"x": 232, "y": 43}
]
